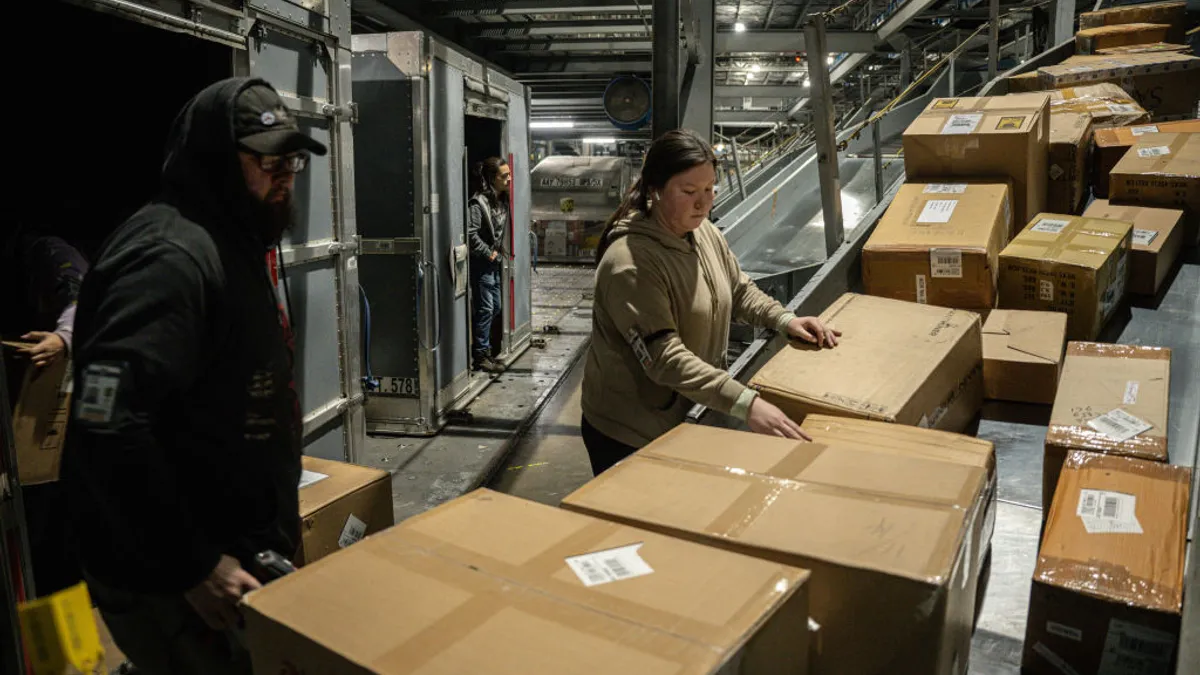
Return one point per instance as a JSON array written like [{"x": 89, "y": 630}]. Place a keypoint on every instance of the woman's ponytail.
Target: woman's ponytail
[{"x": 635, "y": 199}]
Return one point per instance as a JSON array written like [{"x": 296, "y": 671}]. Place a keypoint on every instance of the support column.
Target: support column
[
  {"x": 737, "y": 167},
  {"x": 993, "y": 39},
  {"x": 905, "y": 67},
  {"x": 696, "y": 96},
  {"x": 1063, "y": 28},
  {"x": 665, "y": 84},
  {"x": 826, "y": 142}
]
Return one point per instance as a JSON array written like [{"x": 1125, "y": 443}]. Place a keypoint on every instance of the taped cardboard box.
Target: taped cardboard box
[
  {"x": 1070, "y": 155},
  {"x": 1111, "y": 399},
  {"x": 998, "y": 137},
  {"x": 1113, "y": 142},
  {"x": 1024, "y": 83},
  {"x": 1108, "y": 584},
  {"x": 491, "y": 584},
  {"x": 40, "y": 421},
  {"x": 1166, "y": 84},
  {"x": 340, "y": 504},
  {"x": 1089, "y": 40},
  {"x": 1162, "y": 170},
  {"x": 897, "y": 362},
  {"x": 1145, "y": 49},
  {"x": 1157, "y": 240},
  {"x": 938, "y": 244},
  {"x": 1070, "y": 264},
  {"x": 895, "y": 599},
  {"x": 1108, "y": 105},
  {"x": 1171, "y": 13},
  {"x": 1023, "y": 355}
]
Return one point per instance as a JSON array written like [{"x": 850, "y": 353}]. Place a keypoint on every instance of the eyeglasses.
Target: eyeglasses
[{"x": 293, "y": 163}]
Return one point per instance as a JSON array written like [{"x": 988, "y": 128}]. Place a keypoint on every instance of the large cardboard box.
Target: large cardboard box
[
  {"x": 1166, "y": 84},
  {"x": 1145, "y": 49},
  {"x": 1157, "y": 239},
  {"x": 1108, "y": 105},
  {"x": 1111, "y": 399},
  {"x": 894, "y": 599},
  {"x": 1024, "y": 83},
  {"x": 1113, "y": 142},
  {"x": 493, "y": 584},
  {"x": 340, "y": 504},
  {"x": 1023, "y": 355},
  {"x": 40, "y": 422},
  {"x": 938, "y": 243},
  {"x": 1171, "y": 13},
  {"x": 1063, "y": 263},
  {"x": 896, "y": 362},
  {"x": 1108, "y": 584},
  {"x": 1162, "y": 170},
  {"x": 998, "y": 137},
  {"x": 1089, "y": 40},
  {"x": 1070, "y": 155}
]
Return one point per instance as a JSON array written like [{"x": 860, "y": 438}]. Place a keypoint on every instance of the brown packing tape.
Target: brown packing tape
[
  {"x": 1146, "y": 445},
  {"x": 1078, "y": 459},
  {"x": 1065, "y": 240},
  {"x": 1080, "y": 348},
  {"x": 1106, "y": 580}
]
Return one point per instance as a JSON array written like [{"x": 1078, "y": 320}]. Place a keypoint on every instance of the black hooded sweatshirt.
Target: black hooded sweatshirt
[{"x": 184, "y": 440}]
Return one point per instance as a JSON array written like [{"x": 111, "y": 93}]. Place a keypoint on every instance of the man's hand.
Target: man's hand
[
  {"x": 215, "y": 599},
  {"x": 765, "y": 418},
  {"x": 49, "y": 348},
  {"x": 492, "y": 257},
  {"x": 811, "y": 329}
]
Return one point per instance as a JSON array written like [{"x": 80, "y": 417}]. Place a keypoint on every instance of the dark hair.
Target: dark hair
[
  {"x": 485, "y": 175},
  {"x": 670, "y": 155}
]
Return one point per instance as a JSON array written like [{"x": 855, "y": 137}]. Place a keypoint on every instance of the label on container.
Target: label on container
[
  {"x": 922, "y": 290},
  {"x": 1144, "y": 237},
  {"x": 945, "y": 188},
  {"x": 1119, "y": 425},
  {"x": 1046, "y": 290},
  {"x": 1123, "y": 108},
  {"x": 1147, "y": 129},
  {"x": 945, "y": 263},
  {"x": 1131, "y": 392},
  {"x": 310, "y": 478},
  {"x": 1130, "y": 649},
  {"x": 1104, "y": 512},
  {"x": 1063, "y": 630},
  {"x": 615, "y": 564},
  {"x": 352, "y": 532},
  {"x": 1154, "y": 151},
  {"x": 1050, "y": 226},
  {"x": 962, "y": 123},
  {"x": 937, "y": 211}
]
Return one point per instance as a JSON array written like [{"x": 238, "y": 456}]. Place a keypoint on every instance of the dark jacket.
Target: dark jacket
[
  {"x": 184, "y": 441},
  {"x": 486, "y": 226}
]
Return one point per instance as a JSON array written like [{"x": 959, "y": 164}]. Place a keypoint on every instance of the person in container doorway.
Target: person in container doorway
[
  {"x": 183, "y": 457},
  {"x": 667, "y": 287},
  {"x": 488, "y": 218}
]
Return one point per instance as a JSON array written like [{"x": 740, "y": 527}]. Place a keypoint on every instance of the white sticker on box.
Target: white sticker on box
[
  {"x": 1050, "y": 226},
  {"x": 1054, "y": 659},
  {"x": 937, "y": 211},
  {"x": 1147, "y": 129},
  {"x": 1046, "y": 290},
  {"x": 945, "y": 188},
  {"x": 1123, "y": 108},
  {"x": 615, "y": 564},
  {"x": 352, "y": 532},
  {"x": 1063, "y": 630},
  {"x": 1144, "y": 237},
  {"x": 1131, "y": 392},
  {"x": 922, "y": 290},
  {"x": 1155, "y": 151},
  {"x": 945, "y": 263},
  {"x": 962, "y": 124},
  {"x": 1130, "y": 649},
  {"x": 1105, "y": 512},
  {"x": 1119, "y": 425},
  {"x": 308, "y": 478}
]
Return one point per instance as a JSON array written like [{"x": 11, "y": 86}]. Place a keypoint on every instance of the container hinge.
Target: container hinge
[
  {"x": 348, "y": 111},
  {"x": 397, "y": 246},
  {"x": 344, "y": 247}
]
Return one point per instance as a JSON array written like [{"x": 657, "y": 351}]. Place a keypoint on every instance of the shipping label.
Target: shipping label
[
  {"x": 602, "y": 567},
  {"x": 353, "y": 531},
  {"x": 945, "y": 263},
  {"x": 1144, "y": 237},
  {"x": 1105, "y": 512},
  {"x": 1050, "y": 226},
  {"x": 1147, "y": 129},
  {"x": 962, "y": 124},
  {"x": 937, "y": 211},
  {"x": 1119, "y": 425},
  {"x": 1154, "y": 151},
  {"x": 922, "y": 290},
  {"x": 1131, "y": 649},
  {"x": 1131, "y": 392},
  {"x": 308, "y": 478},
  {"x": 945, "y": 188}
]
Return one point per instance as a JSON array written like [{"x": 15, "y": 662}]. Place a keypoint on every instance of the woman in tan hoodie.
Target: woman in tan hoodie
[{"x": 667, "y": 288}]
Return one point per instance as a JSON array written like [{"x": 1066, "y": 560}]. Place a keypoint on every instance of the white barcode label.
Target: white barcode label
[
  {"x": 1063, "y": 630},
  {"x": 616, "y": 564},
  {"x": 310, "y": 477},
  {"x": 937, "y": 211},
  {"x": 1050, "y": 226},
  {"x": 1147, "y": 129},
  {"x": 1156, "y": 151},
  {"x": 1130, "y": 649},
  {"x": 352, "y": 532},
  {"x": 945, "y": 263},
  {"x": 945, "y": 188},
  {"x": 1046, "y": 290},
  {"x": 962, "y": 124},
  {"x": 1131, "y": 392},
  {"x": 1054, "y": 659},
  {"x": 1104, "y": 512},
  {"x": 1123, "y": 108},
  {"x": 922, "y": 290},
  {"x": 1144, "y": 237},
  {"x": 1119, "y": 425}
]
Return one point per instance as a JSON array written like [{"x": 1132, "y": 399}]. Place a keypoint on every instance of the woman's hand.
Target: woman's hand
[
  {"x": 812, "y": 330},
  {"x": 765, "y": 418},
  {"x": 48, "y": 348}
]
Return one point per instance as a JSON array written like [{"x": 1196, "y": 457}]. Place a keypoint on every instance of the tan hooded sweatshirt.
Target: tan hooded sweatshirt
[{"x": 660, "y": 329}]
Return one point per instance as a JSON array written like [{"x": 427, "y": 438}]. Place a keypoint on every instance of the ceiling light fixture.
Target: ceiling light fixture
[
  {"x": 599, "y": 141},
  {"x": 552, "y": 124}
]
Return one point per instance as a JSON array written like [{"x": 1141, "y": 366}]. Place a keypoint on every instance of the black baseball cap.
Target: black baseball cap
[{"x": 264, "y": 125}]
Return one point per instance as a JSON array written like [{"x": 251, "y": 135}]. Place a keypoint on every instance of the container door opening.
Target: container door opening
[{"x": 483, "y": 139}]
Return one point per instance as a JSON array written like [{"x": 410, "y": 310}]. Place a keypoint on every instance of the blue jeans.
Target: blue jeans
[{"x": 485, "y": 284}]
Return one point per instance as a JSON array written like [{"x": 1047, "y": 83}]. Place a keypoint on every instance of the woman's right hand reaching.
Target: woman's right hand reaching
[{"x": 765, "y": 418}]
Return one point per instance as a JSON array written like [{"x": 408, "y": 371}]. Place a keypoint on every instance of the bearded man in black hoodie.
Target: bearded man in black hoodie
[{"x": 183, "y": 455}]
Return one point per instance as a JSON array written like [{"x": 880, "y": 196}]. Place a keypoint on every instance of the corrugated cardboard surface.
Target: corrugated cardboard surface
[
  {"x": 1108, "y": 104},
  {"x": 1024, "y": 83},
  {"x": 40, "y": 421},
  {"x": 1023, "y": 354},
  {"x": 1168, "y": 176},
  {"x": 1149, "y": 264},
  {"x": 1088, "y": 40},
  {"x": 1113, "y": 142},
  {"x": 1081, "y": 270},
  {"x": 1144, "y": 49},
  {"x": 1096, "y": 379},
  {"x": 903, "y": 248},
  {"x": 1102, "y": 596},
  {"x": 1009, "y": 142},
  {"x": 1166, "y": 84},
  {"x": 481, "y": 585},
  {"x": 894, "y": 599},
  {"x": 328, "y": 505},
  {"x": 1070, "y": 155},
  {"x": 896, "y": 362},
  {"x": 1172, "y": 13}
]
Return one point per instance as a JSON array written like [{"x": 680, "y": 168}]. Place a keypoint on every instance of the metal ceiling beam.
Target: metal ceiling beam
[
  {"x": 578, "y": 66},
  {"x": 557, "y": 28},
  {"x": 792, "y": 41},
  {"x": 564, "y": 102},
  {"x": 756, "y": 91},
  {"x": 612, "y": 45},
  {"x": 503, "y": 7}
]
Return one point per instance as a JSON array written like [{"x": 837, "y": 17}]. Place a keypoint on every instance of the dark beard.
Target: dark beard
[{"x": 274, "y": 218}]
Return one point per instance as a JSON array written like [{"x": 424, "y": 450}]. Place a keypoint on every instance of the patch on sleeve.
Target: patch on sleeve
[
  {"x": 639, "y": 349},
  {"x": 99, "y": 386}
]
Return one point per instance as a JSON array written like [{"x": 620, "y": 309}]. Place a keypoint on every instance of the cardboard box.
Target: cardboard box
[
  {"x": 896, "y": 362},
  {"x": 1108, "y": 584},
  {"x": 340, "y": 504},
  {"x": 1162, "y": 170},
  {"x": 1024, "y": 83},
  {"x": 998, "y": 138},
  {"x": 1098, "y": 379},
  {"x": 1088, "y": 40},
  {"x": 1113, "y": 142},
  {"x": 1063, "y": 263},
  {"x": 1166, "y": 84},
  {"x": 938, "y": 244},
  {"x": 1157, "y": 240},
  {"x": 1171, "y": 13},
  {"x": 40, "y": 421},
  {"x": 1022, "y": 355},
  {"x": 1108, "y": 104},
  {"x": 1145, "y": 49},
  {"x": 492, "y": 584},
  {"x": 1070, "y": 155},
  {"x": 896, "y": 599}
]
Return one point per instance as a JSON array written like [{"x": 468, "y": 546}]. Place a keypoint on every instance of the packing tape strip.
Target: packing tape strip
[
  {"x": 1078, "y": 460},
  {"x": 1082, "y": 348},
  {"x": 1143, "y": 446},
  {"x": 917, "y": 440},
  {"x": 1104, "y": 579}
]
